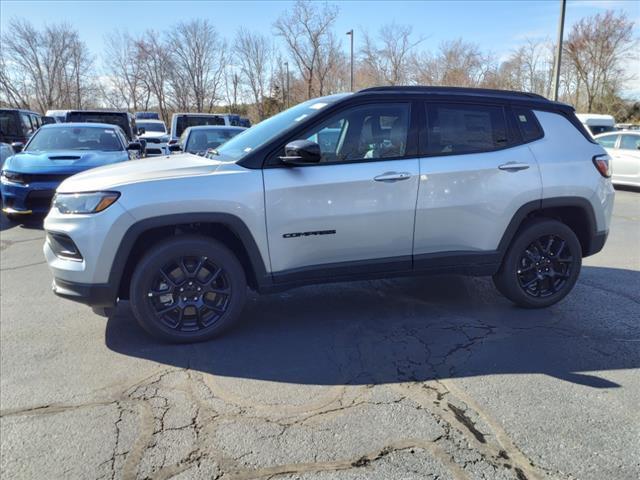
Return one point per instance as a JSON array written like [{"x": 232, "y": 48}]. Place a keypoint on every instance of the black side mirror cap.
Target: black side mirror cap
[
  {"x": 48, "y": 120},
  {"x": 134, "y": 146},
  {"x": 141, "y": 131},
  {"x": 174, "y": 147},
  {"x": 301, "y": 152},
  {"x": 17, "y": 146}
]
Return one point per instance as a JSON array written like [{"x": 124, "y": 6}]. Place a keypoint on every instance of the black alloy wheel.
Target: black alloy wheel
[
  {"x": 187, "y": 288},
  {"x": 545, "y": 266},
  {"x": 189, "y": 293}
]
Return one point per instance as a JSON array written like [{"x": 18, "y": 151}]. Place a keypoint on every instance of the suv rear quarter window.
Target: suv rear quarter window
[
  {"x": 528, "y": 124},
  {"x": 459, "y": 128}
]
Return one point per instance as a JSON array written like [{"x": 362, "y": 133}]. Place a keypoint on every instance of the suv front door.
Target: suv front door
[{"x": 353, "y": 211}]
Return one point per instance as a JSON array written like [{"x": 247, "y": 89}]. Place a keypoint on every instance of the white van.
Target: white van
[{"x": 597, "y": 123}]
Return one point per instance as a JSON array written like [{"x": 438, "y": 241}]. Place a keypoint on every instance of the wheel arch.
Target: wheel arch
[
  {"x": 226, "y": 228},
  {"x": 575, "y": 212}
]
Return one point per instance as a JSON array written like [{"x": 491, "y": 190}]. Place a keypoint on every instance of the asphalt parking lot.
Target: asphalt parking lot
[{"x": 435, "y": 377}]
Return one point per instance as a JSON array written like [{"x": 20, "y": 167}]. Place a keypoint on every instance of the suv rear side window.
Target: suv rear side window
[
  {"x": 630, "y": 142},
  {"x": 528, "y": 124},
  {"x": 465, "y": 128}
]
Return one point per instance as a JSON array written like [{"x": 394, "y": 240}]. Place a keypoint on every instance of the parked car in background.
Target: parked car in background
[
  {"x": 422, "y": 180},
  {"x": 5, "y": 152},
  {"x": 245, "y": 122},
  {"x": 154, "y": 133},
  {"x": 59, "y": 115},
  {"x": 624, "y": 149},
  {"x": 17, "y": 126},
  {"x": 628, "y": 126},
  {"x": 597, "y": 123},
  {"x": 147, "y": 116},
  {"x": 200, "y": 139},
  {"x": 55, "y": 152},
  {"x": 122, "y": 119},
  {"x": 181, "y": 121}
]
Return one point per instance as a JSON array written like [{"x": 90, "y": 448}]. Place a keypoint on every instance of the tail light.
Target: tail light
[{"x": 603, "y": 165}]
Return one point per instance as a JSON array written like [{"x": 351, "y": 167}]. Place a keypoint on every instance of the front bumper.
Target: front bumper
[
  {"x": 26, "y": 199},
  {"x": 88, "y": 294}
]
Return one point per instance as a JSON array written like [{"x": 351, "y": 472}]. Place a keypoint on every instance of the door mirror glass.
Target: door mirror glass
[{"x": 301, "y": 152}]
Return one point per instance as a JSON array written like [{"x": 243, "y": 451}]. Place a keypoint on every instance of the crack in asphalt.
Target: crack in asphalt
[
  {"x": 5, "y": 244},
  {"x": 18, "y": 267}
]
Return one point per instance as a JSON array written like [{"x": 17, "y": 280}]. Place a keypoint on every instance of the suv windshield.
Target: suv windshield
[
  {"x": 75, "y": 138},
  {"x": 202, "y": 139},
  {"x": 151, "y": 126},
  {"x": 120, "y": 119},
  {"x": 240, "y": 145}
]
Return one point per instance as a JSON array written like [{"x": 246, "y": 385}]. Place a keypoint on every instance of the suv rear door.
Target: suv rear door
[
  {"x": 354, "y": 211},
  {"x": 475, "y": 173}
]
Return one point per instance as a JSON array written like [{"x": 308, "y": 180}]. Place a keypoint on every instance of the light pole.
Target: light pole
[
  {"x": 286, "y": 66},
  {"x": 350, "y": 33},
  {"x": 557, "y": 63}
]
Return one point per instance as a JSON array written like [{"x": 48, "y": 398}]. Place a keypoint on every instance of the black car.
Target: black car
[
  {"x": 124, "y": 120},
  {"x": 17, "y": 126}
]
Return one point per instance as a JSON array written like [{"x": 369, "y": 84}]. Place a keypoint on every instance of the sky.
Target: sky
[{"x": 498, "y": 26}]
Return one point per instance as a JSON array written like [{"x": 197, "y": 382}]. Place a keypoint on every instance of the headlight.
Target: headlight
[
  {"x": 12, "y": 177},
  {"x": 92, "y": 202}
]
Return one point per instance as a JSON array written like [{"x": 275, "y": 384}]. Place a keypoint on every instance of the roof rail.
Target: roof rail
[{"x": 453, "y": 90}]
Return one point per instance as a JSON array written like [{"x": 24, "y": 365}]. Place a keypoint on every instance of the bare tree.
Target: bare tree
[
  {"x": 200, "y": 57},
  {"x": 254, "y": 55},
  {"x": 127, "y": 81},
  {"x": 598, "y": 47},
  {"x": 156, "y": 66},
  {"x": 306, "y": 30},
  {"x": 388, "y": 58},
  {"x": 43, "y": 68}
]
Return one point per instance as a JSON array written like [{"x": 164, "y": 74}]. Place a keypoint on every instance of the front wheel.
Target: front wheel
[
  {"x": 541, "y": 266},
  {"x": 188, "y": 288}
]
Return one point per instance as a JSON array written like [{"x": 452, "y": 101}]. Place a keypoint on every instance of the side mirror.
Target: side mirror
[
  {"x": 301, "y": 152},
  {"x": 48, "y": 120},
  {"x": 17, "y": 146},
  {"x": 175, "y": 147},
  {"x": 141, "y": 131},
  {"x": 134, "y": 146}
]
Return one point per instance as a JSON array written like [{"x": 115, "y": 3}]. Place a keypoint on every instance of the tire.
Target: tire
[
  {"x": 541, "y": 265},
  {"x": 207, "y": 292}
]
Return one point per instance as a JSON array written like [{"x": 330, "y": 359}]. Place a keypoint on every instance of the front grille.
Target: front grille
[
  {"x": 32, "y": 178},
  {"x": 39, "y": 199}
]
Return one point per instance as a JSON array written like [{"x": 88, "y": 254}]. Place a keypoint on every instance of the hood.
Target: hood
[
  {"x": 148, "y": 169},
  {"x": 62, "y": 161}
]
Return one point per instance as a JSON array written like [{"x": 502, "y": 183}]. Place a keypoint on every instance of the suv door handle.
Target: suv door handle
[
  {"x": 392, "y": 176},
  {"x": 513, "y": 166}
]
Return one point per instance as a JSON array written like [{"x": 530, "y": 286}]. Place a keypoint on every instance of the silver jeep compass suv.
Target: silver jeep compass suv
[{"x": 384, "y": 182}]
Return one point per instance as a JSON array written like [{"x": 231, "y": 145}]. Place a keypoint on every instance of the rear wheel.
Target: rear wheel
[
  {"x": 188, "y": 289},
  {"x": 541, "y": 266}
]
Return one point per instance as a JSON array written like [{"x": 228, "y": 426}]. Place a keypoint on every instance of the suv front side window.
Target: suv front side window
[
  {"x": 459, "y": 128},
  {"x": 366, "y": 132}
]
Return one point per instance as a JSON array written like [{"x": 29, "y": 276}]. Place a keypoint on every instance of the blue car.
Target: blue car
[{"x": 29, "y": 178}]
